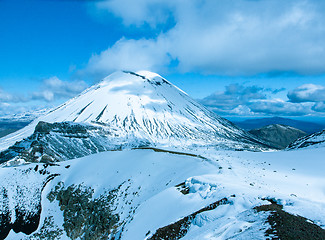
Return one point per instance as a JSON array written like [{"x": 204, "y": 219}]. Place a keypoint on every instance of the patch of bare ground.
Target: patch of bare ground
[{"x": 286, "y": 226}]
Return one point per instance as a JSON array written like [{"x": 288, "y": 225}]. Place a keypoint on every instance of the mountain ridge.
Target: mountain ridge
[{"x": 315, "y": 140}]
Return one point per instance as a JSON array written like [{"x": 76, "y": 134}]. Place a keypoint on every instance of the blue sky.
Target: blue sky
[{"x": 240, "y": 58}]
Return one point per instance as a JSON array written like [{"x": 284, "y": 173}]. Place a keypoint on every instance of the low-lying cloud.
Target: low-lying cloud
[
  {"x": 307, "y": 93},
  {"x": 54, "y": 88},
  {"x": 235, "y": 95},
  {"x": 51, "y": 89},
  {"x": 243, "y": 100}
]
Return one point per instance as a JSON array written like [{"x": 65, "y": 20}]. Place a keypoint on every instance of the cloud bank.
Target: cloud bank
[
  {"x": 54, "y": 88},
  {"x": 51, "y": 91},
  {"x": 307, "y": 93},
  {"x": 225, "y": 37},
  {"x": 242, "y": 100}
]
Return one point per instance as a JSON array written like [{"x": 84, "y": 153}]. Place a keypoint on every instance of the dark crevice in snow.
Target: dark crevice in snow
[
  {"x": 180, "y": 228},
  {"x": 81, "y": 111},
  {"x": 101, "y": 113},
  {"x": 172, "y": 152}
]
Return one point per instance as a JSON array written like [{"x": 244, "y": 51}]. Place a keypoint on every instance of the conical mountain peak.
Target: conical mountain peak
[{"x": 145, "y": 106}]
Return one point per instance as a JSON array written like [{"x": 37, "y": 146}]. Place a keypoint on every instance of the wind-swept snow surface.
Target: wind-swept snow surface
[
  {"x": 144, "y": 106},
  {"x": 150, "y": 193}
]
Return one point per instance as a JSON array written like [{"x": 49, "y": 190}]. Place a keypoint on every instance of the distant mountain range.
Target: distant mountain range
[{"x": 308, "y": 127}]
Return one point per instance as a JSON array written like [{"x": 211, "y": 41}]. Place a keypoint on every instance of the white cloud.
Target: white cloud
[
  {"x": 54, "y": 88},
  {"x": 307, "y": 93},
  {"x": 319, "y": 107},
  {"x": 130, "y": 55},
  {"x": 233, "y": 96},
  {"x": 50, "y": 89},
  {"x": 4, "y": 96},
  {"x": 220, "y": 37},
  {"x": 51, "y": 92},
  {"x": 255, "y": 100},
  {"x": 139, "y": 12},
  {"x": 280, "y": 107}
]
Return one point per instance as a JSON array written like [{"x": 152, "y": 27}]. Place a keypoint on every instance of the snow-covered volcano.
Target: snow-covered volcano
[{"x": 145, "y": 106}]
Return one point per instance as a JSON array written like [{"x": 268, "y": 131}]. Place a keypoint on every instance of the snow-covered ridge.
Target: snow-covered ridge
[
  {"x": 145, "y": 106},
  {"x": 314, "y": 140}
]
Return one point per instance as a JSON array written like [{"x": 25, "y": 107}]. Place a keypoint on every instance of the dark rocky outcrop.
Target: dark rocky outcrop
[
  {"x": 286, "y": 226},
  {"x": 53, "y": 142},
  {"x": 85, "y": 217},
  {"x": 179, "y": 229},
  {"x": 49, "y": 231}
]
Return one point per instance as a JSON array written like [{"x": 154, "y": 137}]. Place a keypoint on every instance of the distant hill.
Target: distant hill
[
  {"x": 308, "y": 127},
  {"x": 277, "y": 135}
]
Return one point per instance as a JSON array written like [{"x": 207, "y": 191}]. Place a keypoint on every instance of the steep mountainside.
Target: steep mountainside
[
  {"x": 144, "y": 107},
  {"x": 277, "y": 135},
  {"x": 315, "y": 140}
]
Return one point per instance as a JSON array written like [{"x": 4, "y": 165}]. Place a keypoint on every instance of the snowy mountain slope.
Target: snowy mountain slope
[
  {"x": 314, "y": 140},
  {"x": 278, "y": 135},
  {"x": 144, "y": 193},
  {"x": 145, "y": 107}
]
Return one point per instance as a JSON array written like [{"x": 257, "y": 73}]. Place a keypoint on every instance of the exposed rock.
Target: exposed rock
[
  {"x": 286, "y": 226},
  {"x": 85, "y": 217},
  {"x": 49, "y": 231},
  {"x": 62, "y": 141},
  {"x": 179, "y": 229}
]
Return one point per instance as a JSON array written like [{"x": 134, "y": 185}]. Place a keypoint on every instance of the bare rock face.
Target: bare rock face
[{"x": 277, "y": 135}]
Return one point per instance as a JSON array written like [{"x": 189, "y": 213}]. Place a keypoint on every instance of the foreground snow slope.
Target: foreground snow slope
[
  {"x": 144, "y": 106},
  {"x": 150, "y": 190}
]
